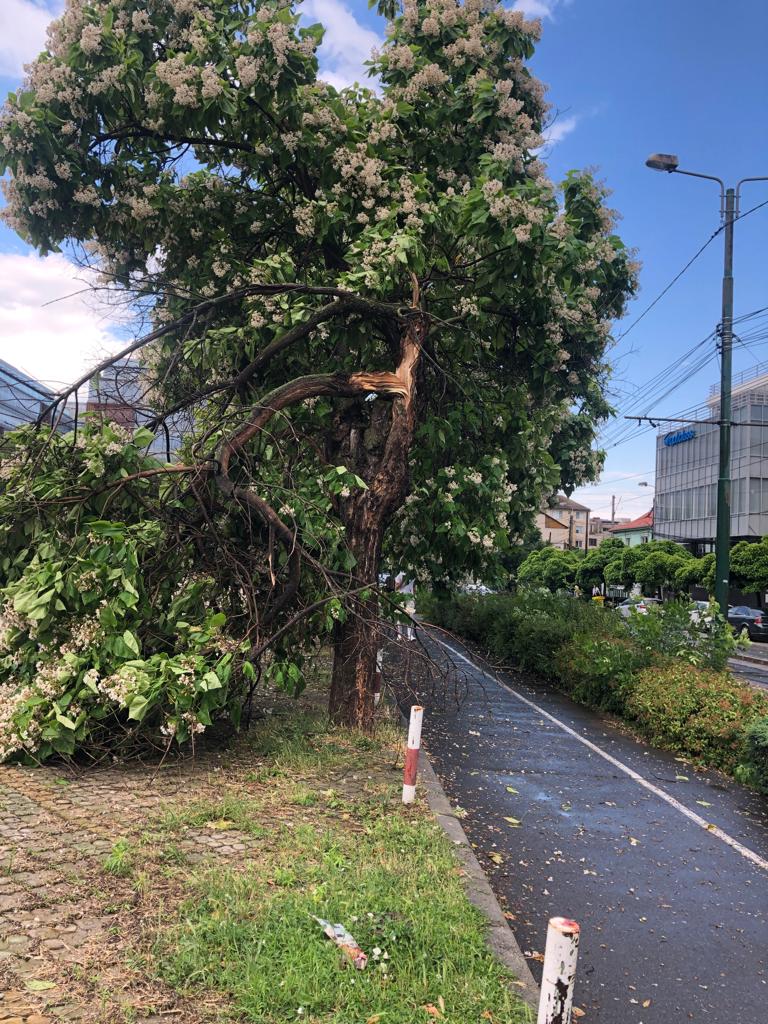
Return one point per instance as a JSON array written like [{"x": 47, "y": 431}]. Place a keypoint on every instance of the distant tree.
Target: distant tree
[
  {"x": 658, "y": 569},
  {"x": 652, "y": 565},
  {"x": 696, "y": 572},
  {"x": 591, "y": 572},
  {"x": 749, "y": 566},
  {"x": 551, "y": 568},
  {"x": 518, "y": 551}
]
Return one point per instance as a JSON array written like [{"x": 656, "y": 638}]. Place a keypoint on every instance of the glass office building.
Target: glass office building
[{"x": 687, "y": 469}]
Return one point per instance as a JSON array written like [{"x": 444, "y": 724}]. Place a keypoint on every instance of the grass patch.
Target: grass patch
[
  {"x": 395, "y": 885},
  {"x": 119, "y": 860},
  {"x": 334, "y": 841}
]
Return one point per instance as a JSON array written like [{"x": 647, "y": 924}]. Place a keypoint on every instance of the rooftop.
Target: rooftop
[
  {"x": 560, "y": 501},
  {"x": 641, "y": 523}
]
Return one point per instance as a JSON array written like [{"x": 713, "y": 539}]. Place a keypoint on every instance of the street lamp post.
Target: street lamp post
[{"x": 729, "y": 214}]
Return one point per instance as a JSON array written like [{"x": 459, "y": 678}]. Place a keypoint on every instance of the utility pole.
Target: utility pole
[
  {"x": 613, "y": 510},
  {"x": 723, "y": 535},
  {"x": 729, "y": 214}
]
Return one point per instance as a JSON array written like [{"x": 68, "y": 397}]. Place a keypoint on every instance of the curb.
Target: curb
[{"x": 500, "y": 936}]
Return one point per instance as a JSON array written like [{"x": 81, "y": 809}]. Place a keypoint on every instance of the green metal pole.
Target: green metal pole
[{"x": 723, "y": 538}]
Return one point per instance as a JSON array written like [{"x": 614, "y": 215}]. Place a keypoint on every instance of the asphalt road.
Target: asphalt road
[
  {"x": 666, "y": 869},
  {"x": 752, "y": 665},
  {"x": 749, "y": 672}
]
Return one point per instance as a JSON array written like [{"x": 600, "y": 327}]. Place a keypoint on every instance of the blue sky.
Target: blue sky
[{"x": 628, "y": 77}]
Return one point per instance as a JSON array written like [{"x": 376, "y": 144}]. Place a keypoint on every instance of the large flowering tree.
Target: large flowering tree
[{"x": 391, "y": 326}]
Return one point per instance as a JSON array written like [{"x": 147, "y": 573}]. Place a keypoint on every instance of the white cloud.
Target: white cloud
[
  {"x": 22, "y": 31},
  {"x": 535, "y": 8},
  {"x": 55, "y": 343},
  {"x": 558, "y": 130},
  {"x": 539, "y": 8},
  {"x": 346, "y": 45}
]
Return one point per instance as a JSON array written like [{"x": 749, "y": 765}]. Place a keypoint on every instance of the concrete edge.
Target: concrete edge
[{"x": 501, "y": 938}]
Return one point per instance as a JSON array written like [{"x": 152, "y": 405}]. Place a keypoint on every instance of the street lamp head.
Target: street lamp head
[{"x": 662, "y": 162}]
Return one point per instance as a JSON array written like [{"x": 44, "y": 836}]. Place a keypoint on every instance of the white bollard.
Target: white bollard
[
  {"x": 559, "y": 972},
  {"x": 377, "y": 682},
  {"x": 412, "y": 754}
]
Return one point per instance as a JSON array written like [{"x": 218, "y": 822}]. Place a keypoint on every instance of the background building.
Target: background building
[
  {"x": 23, "y": 399},
  {"x": 687, "y": 468},
  {"x": 601, "y": 529},
  {"x": 565, "y": 524},
  {"x": 122, "y": 395},
  {"x": 635, "y": 531}
]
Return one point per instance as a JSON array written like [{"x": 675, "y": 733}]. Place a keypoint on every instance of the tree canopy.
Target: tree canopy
[
  {"x": 386, "y": 326},
  {"x": 550, "y": 568}
]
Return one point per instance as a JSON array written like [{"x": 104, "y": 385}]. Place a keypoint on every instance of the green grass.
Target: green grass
[
  {"x": 119, "y": 861},
  {"x": 250, "y": 934}
]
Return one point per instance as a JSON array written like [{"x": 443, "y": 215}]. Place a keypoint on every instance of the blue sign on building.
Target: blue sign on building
[{"x": 678, "y": 436}]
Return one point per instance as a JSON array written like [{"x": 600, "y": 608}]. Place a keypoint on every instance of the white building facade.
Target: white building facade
[{"x": 687, "y": 469}]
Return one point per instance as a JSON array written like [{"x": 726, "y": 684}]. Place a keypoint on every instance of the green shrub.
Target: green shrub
[
  {"x": 600, "y": 671},
  {"x": 696, "y": 711},
  {"x": 670, "y": 630},
  {"x": 755, "y": 769}
]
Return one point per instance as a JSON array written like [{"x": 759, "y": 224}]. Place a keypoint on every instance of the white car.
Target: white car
[{"x": 640, "y": 605}]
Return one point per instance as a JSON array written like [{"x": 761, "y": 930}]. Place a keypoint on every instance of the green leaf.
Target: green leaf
[
  {"x": 211, "y": 680},
  {"x": 66, "y": 722},
  {"x": 37, "y": 985},
  {"x": 131, "y": 642},
  {"x": 138, "y": 708}
]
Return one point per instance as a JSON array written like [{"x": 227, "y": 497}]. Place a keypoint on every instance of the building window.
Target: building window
[{"x": 593, "y": 542}]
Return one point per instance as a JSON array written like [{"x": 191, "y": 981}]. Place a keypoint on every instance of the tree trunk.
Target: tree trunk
[
  {"x": 359, "y": 636},
  {"x": 357, "y": 639}
]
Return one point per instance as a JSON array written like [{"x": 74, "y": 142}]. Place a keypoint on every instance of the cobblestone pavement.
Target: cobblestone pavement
[{"x": 56, "y": 925}]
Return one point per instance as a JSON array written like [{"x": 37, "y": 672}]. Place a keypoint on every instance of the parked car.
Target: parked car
[
  {"x": 639, "y": 604},
  {"x": 752, "y": 619},
  {"x": 699, "y": 611}
]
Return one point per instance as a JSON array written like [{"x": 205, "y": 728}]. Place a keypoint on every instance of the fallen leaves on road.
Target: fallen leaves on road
[
  {"x": 511, "y": 789},
  {"x": 513, "y": 822},
  {"x": 496, "y": 858}
]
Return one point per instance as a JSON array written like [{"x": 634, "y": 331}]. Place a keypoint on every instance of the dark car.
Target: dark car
[{"x": 751, "y": 619}]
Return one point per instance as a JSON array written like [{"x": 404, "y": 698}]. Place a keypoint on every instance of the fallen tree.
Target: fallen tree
[{"x": 384, "y": 325}]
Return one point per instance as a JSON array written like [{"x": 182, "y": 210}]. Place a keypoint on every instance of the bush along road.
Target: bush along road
[{"x": 664, "y": 867}]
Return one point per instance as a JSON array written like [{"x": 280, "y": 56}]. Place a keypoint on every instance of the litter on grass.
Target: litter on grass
[{"x": 338, "y": 933}]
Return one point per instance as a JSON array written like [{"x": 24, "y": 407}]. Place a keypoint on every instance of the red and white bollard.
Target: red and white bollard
[
  {"x": 377, "y": 682},
  {"x": 412, "y": 754},
  {"x": 559, "y": 973}
]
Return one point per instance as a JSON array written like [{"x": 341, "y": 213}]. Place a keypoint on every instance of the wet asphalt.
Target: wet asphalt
[
  {"x": 752, "y": 666},
  {"x": 674, "y": 921}
]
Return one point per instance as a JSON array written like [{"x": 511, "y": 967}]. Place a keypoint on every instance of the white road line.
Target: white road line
[{"x": 711, "y": 829}]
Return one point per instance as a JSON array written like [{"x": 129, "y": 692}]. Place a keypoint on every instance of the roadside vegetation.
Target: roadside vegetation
[{"x": 662, "y": 672}]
